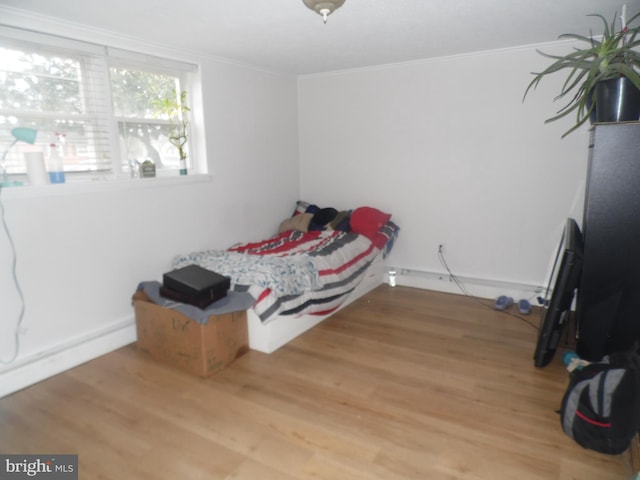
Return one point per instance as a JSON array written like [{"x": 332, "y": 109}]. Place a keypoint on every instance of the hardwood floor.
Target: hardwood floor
[{"x": 402, "y": 384}]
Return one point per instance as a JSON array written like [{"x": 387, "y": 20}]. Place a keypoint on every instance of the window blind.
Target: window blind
[{"x": 59, "y": 87}]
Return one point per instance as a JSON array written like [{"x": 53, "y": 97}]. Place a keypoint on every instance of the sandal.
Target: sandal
[
  {"x": 524, "y": 307},
  {"x": 503, "y": 302}
]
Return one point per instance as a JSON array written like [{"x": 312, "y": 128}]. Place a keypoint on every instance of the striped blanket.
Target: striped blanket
[{"x": 295, "y": 272}]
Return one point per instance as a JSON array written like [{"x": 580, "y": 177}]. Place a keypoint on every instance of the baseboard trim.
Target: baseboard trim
[
  {"x": 33, "y": 369},
  {"x": 477, "y": 287}
]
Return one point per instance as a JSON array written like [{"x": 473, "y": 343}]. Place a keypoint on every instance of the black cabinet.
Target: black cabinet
[{"x": 608, "y": 300}]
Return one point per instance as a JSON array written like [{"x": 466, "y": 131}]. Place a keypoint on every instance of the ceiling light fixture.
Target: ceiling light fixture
[{"x": 323, "y": 7}]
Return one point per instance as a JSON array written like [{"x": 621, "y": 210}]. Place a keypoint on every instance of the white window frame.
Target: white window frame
[{"x": 114, "y": 57}]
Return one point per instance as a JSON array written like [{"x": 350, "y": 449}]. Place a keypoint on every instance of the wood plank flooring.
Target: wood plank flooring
[{"x": 402, "y": 384}]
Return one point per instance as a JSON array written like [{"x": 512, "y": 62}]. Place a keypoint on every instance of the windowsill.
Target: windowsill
[{"x": 88, "y": 187}]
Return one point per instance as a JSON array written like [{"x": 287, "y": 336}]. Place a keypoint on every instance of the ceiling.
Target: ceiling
[{"x": 285, "y": 36}]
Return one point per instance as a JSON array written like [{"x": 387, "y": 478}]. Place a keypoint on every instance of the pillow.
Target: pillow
[
  {"x": 367, "y": 221},
  {"x": 298, "y": 222}
]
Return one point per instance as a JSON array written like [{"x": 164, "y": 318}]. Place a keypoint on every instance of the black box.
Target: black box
[{"x": 195, "y": 285}]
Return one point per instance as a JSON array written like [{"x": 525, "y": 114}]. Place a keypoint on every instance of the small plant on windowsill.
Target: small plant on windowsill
[{"x": 177, "y": 111}]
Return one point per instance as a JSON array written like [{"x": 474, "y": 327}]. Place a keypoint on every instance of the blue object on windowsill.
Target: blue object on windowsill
[{"x": 12, "y": 183}]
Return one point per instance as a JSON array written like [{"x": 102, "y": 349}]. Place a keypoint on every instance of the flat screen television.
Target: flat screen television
[{"x": 565, "y": 279}]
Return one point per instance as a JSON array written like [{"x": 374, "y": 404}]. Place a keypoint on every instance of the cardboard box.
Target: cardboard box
[{"x": 173, "y": 338}]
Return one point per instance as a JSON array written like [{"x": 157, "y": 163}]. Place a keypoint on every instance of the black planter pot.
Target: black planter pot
[{"x": 617, "y": 100}]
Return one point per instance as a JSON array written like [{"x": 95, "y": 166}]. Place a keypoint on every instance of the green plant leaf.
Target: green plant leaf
[{"x": 613, "y": 55}]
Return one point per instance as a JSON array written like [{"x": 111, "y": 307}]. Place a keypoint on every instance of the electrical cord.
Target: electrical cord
[
  {"x": 16, "y": 333},
  {"x": 479, "y": 300}
]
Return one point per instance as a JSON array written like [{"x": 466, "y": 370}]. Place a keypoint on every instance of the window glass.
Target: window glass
[
  {"x": 49, "y": 91},
  {"x": 146, "y": 141},
  {"x": 145, "y": 126},
  {"x": 101, "y": 109},
  {"x": 37, "y": 82}
]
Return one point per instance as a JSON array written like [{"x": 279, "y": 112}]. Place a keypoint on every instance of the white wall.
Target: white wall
[
  {"x": 82, "y": 250},
  {"x": 448, "y": 147}
]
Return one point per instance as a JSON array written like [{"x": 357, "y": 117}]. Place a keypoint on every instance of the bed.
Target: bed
[{"x": 321, "y": 260}]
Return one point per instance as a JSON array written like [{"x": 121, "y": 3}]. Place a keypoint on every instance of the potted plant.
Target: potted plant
[
  {"x": 602, "y": 72},
  {"x": 176, "y": 109}
]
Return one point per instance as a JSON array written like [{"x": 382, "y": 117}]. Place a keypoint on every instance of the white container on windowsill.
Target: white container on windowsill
[{"x": 36, "y": 171}]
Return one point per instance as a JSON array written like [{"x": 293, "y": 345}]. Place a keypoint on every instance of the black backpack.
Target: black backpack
[{"x": 601, "y": 407}]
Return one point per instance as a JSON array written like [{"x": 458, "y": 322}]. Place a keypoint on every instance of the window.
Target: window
[
  {"x": 142, "y": 103},
  {"x": 104, "y": 110}
]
